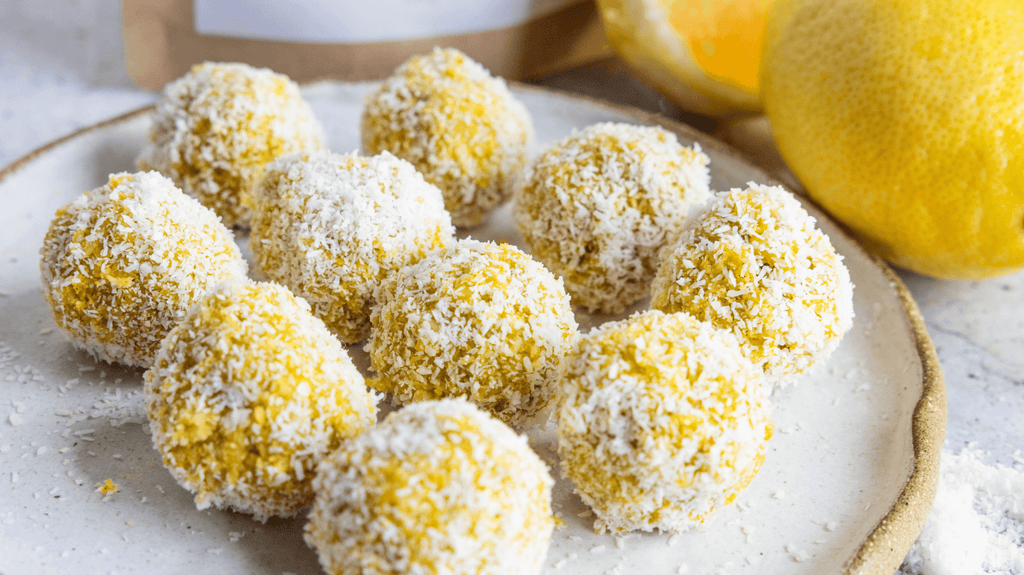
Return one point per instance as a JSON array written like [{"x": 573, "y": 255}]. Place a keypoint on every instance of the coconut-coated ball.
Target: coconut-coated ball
[
  {"x": 121, "y": 264},
  {"x": 755, "y": 264},
  {"x": 248, "y": 394},
  {"x": 436, "y": 488},
  {"x": 597, "y": 207},
  {"x": 661, "y": 421},
  {"x": 482, "y": 321},
  {"x": 461, "y": 127},
  {"x": 218, "y": 126},
  {"x": 331, "y": 226}
]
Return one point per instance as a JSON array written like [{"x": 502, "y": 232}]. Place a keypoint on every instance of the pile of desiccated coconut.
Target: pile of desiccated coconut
[{"x": 977, "y": 524}]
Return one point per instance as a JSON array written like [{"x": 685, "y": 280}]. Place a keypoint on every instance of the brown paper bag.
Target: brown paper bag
[{"x": 319, "y": 39}]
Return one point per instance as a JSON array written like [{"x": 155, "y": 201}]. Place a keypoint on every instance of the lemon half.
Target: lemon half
[{"x": 702, "y": 55}]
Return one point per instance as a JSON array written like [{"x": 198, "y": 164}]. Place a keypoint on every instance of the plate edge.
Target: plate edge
[
  {"x": 888, "y": 543},
  {"x": 19, "y": 163}
]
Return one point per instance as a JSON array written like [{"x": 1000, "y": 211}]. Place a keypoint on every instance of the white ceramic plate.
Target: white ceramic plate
[{"x": 837, "y": 476}]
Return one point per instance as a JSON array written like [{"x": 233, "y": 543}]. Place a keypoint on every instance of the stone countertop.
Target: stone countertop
[{"x": 62, "y": 68}]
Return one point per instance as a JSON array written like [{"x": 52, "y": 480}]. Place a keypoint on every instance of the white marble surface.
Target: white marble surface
[{"x": 61, "y": 68}]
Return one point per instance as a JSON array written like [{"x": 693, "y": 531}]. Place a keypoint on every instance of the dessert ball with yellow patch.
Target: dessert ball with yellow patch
[
  {"x": 482, "y": 321},
  {"x": 248, "y": 394},
  {"x": 460, "y": 126},
  {"x": 331, "y": 226},
  {"x": 597, "y": 207},
  {"x": 437, "y": 487},
  {"x": 217, "y": 127},
  {"x": 755, "y": 264},
  {"x": 661, "y": 421},
  {"x": 121, "y": 264}
]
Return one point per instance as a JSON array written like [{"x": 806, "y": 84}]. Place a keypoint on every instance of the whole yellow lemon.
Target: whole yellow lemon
[
  {"x": 702, "y": 55},
  {"x": 905, "y": 120}
]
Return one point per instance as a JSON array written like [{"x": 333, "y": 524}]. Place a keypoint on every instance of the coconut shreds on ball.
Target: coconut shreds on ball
[
  {"x": 598, "y": 206},
  {"x": 217, "y": 127},
  {"x": 755, "y": 264},
  {"x": 437, "y": 488},
  {"x": 477, "y": 320},
  {"x": 460, "y": 126},
  {"x": 661, "y": 420},
  {"x": 248, "y": 394},
  {"x": 121, "y": 264},
  {"x": 331, "y": 226}
]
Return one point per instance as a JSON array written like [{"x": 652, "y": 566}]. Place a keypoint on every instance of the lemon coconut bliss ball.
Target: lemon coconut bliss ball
[
  {"x": 436, "y": 488},
  {"x": 331, "y": 226},
  {"x": 121, "y": 264},
  {"x": 248, "y": 394},
  {"x": 460, "y": 126},
  {"x": 755, "y": 264},
  {"x": 597, "y": 207},
  {"x": 661, "y": 420},
  {"x": 217, "y": 127},
  {"x": 477, "y": 320}
]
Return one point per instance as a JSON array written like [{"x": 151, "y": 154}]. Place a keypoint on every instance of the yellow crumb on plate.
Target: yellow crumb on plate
[{"x": 107, "y": 487}]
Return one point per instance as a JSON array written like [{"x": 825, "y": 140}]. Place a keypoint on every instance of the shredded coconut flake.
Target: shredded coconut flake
[{"x": 977, "y": 523}]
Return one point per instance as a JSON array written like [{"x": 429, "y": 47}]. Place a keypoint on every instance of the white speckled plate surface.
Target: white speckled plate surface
[{"x": 847, "y": 481}]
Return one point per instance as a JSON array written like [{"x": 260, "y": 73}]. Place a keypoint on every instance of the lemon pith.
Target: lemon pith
[{"x": 702, "y": 55}]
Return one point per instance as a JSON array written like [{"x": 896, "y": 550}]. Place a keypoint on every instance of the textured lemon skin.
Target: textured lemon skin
[
  {"x": 436, "y": 488},
  {"x": 122, "y": 264},
  {"x": 248, "y": 394},
  {"x": 702, "y": 55},
  {"x": 661, "y": 420},
  {"x": 905, "y": 120}
]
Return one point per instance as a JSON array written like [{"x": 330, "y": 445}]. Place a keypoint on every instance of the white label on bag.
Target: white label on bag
[{"x": 362, "y": 21}]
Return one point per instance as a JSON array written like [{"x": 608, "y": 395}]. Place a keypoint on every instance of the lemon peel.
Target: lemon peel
[{"x": 905, "y": 120}]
